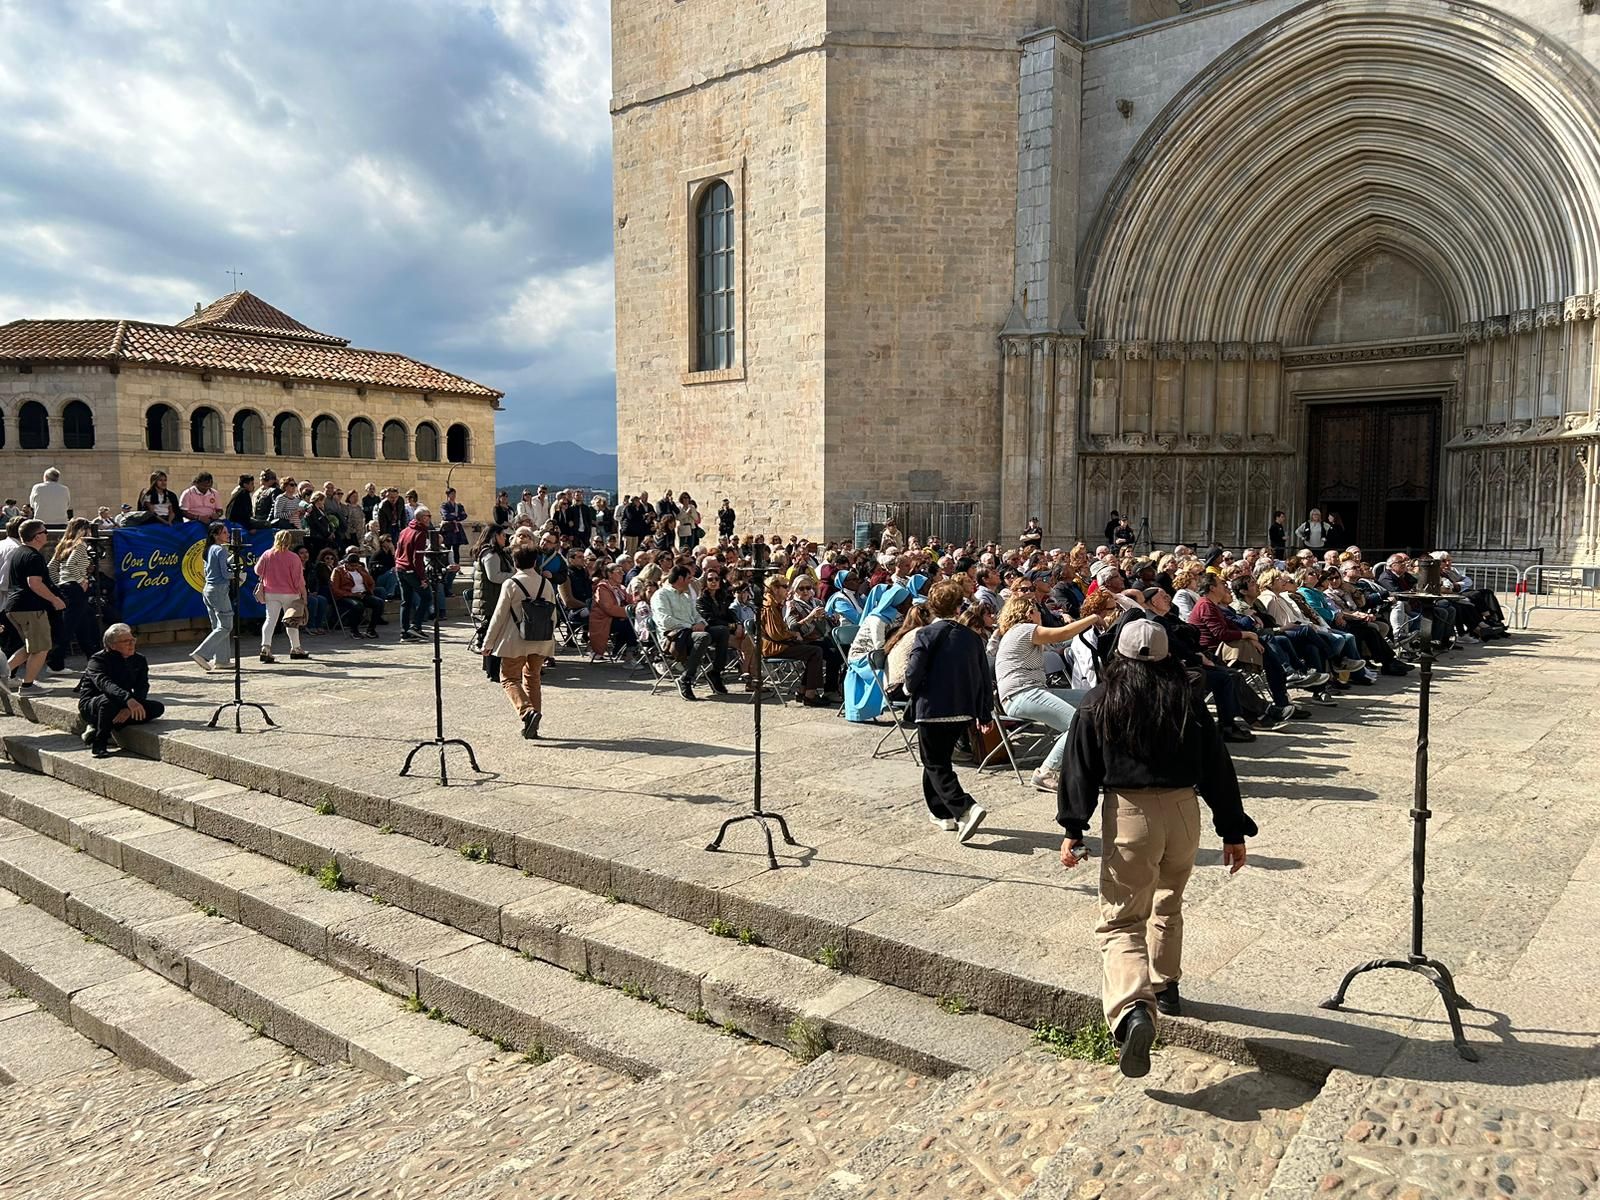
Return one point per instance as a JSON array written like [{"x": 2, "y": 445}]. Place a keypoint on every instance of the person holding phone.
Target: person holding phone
[{"x": 1144, "y": 738}]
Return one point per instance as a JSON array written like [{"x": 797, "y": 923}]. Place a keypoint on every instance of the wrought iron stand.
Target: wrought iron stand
[
  {"x": 236, "y": 570},
  {"x": 434, "y": 558},
  {"x": 1418, "y": 962},
  {"x": 757, "y": 813}
]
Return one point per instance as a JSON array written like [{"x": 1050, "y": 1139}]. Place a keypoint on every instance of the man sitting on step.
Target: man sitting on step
[{"x": 114, "y": 690}]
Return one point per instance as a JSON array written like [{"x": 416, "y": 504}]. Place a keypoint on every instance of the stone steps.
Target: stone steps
[
  {"x": 241, "y": 852},
  {"x": 143, "y": 1018},
  {"x": 36, "y": 1047}
]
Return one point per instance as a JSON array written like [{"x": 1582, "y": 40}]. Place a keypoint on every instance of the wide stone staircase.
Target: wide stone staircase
[{"x": 297, "y": 1002}]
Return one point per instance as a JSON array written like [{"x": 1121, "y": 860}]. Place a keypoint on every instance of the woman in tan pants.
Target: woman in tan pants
[{"x": 1144, "y": 738}]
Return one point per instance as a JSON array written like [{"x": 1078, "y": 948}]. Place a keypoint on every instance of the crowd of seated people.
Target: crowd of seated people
[{"x": 1265, "y": 634}]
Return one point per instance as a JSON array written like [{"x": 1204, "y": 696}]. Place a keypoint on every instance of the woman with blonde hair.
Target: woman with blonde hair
[
  {"x": 1019, "y": 644},
  {"x": 1188, "y": 582},
  {"x": 70, "y": 570},
  {"x": 283, "y": 590}
]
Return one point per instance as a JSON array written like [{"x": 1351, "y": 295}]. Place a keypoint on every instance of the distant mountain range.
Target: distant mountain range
[{"x": 559, "y": 464}]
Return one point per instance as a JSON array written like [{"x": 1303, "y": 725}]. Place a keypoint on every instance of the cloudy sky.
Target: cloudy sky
[{"x": 427, "y": 176}]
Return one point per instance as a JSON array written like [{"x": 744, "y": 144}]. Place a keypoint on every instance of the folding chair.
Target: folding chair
[
  {"x": 1031, "y": 736},
  {"x": 879, "y": 661},
  {"x": 844, "y": 637},
  {"x": 668, "y": 667}
]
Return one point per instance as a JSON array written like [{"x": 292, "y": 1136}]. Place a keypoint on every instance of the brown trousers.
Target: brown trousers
[
  {"x": 1148, "y": 842},
  {"x": 520, "y": 678}
]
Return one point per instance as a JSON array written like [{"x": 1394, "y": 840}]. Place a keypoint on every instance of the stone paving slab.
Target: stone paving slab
[{"x": 1327, "y": 878}]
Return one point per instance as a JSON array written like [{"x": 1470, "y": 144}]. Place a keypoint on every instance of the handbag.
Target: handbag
[
  {"x": 1241, "y": 654},
  {"x": 535, "y": 616}
]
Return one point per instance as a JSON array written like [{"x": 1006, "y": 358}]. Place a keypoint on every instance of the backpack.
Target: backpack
[
  {"x": 535, "y": 618},
  {"x": 262, "y": 510}
]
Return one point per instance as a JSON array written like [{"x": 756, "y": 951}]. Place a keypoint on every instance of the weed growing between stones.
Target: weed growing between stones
[
  {"x": 437, "y": 1014},
  {"x": 208, "y": 910},
  {"x": 330, "y": 878},
  {"x": 324, "y": 807},
  {"x": 699, "y": 1016},
  {"x": 835, "y": 958},
  {"x": 613, "y": 898},
  {"x": 537, "y": 1054},
  {"x": 414, "y": 1003},
  {"x": 956, "y": 1006},
  {"x": 749, "y": 937},
  {"x": 636, "y": 991},
  {"x": 1089, "y": 1043},
  {"x": 385, "y": 829},
  {"x": 475, "y": 852},
  {"x": 721, "y": 928},
  {"x": 807, "y": 1041}
]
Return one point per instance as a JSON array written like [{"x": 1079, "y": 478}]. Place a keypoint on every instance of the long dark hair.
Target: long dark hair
[
  {"x": 490, "y": 532},
  {"x": 1142, "y": 707}
]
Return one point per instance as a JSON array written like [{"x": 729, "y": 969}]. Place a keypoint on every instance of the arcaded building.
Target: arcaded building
[
  {"x": 1190, "y": 261},
  {"x": 235, "y": 388}
]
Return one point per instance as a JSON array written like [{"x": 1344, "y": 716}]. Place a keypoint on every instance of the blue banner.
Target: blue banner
[{"x": 161, "y": 572}]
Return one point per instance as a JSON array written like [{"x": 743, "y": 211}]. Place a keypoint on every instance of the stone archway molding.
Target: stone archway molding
[{"x": 1462, "y": 134}]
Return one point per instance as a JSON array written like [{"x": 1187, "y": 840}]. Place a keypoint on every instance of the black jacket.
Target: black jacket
[
  {"x": 717, "y": 608},
  {"x": 1194, "y": 757},
  {"x": 725, "y": 519},
  {"x": 111, "y": 674},
  {"x": 241, "y": 508},
  {"x": 635, "y": 520},
  {"x": 947, "y": 674}
]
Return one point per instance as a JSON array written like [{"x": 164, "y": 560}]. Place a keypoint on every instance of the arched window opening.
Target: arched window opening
[
  {"x": 33, "y": 426},
  {"x": 457, "y": 443},
  {"x": 325, "y": 438},
  {"x": 395, "y": 441},
  {"x": 161, "y": 428},
  {"x": 77, "y": 426},
  {"x": 249, "y": 435},
  {"x": 361, "y": 439},
  {"x": 205, "y": 431},
  {"x": 714, "y": 310},
  {"x": 427, "y": 442},
  {"x": 288, "y": 436}
]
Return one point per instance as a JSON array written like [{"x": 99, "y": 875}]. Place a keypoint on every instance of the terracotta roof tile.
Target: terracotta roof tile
[
  {"x": 213, "y": 346},
  {"x": 245, "y": 312}
]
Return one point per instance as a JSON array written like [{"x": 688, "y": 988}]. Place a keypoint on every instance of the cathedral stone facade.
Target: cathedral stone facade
[{"x": 1064, "y": 256}]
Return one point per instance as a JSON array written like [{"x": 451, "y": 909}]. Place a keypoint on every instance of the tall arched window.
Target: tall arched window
[
  {"x": 457, "y": 443},
  {"x": 161, "y": 428},
  {"x": 714, "y": 279},
  {"x": 427, "y": 442},
  {"x": 325, "y": 438},
  {"x": 33, "y": 426},
  {"x": 205, "y": 431},
  {"x": 77, "y": 426},
  {"x": 395, "y": 441},
  {"x": 288, "y": 436},
  {"x": 361, "y": 439},
  {"x": 249, "y": 435}
]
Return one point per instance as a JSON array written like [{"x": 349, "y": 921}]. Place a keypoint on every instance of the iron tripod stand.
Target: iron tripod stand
[
  {"x": 1432, "y": 970},
  {"x": 757, "y": 813},
  {"x": 236, "y": 570},
  {"x": 434, "y": 560}
]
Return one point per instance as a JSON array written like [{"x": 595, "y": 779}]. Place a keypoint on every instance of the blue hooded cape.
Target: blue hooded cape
[{"x": 863, "y": 697}]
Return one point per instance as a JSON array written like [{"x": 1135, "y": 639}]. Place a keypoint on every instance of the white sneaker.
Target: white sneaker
[
  {"x": 200, "y": 662},
  {"x": 970, "y": 820},
  {"x": 944, "y": 823},
  {"x": 1046, "y": 781},
  {"x": 1467, "y": 639}
]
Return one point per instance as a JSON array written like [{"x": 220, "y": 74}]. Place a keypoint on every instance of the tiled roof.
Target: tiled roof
[
  {"x": 244, "y": 312},
  {"x": 213, "y": 347}
]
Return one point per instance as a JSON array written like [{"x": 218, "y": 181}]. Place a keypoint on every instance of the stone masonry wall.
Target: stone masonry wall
[
  {"x": 119, "y": 465},
  {"x": 922, "y": 169},
  {"x": 752, "y": 434}
]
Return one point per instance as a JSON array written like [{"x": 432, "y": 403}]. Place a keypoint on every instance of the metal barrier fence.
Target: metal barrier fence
[
  {"x": 953, "y": 522},
  {"x": 1575, "y": 588}
]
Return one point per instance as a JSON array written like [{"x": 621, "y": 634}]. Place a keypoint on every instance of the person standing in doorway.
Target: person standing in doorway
[
  {"x": 1313, "y": 532},
  {"x": 1144, "y": 738},
  {"x": 1278, "y": 535}
]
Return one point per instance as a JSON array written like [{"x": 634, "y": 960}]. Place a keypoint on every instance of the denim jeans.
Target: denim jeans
[
  {"x": 387, "y": 585},
  {"x": 416, "y": 602},
  {"x": 1054, "y": 707},
  {"x": 219, "y": 607}
]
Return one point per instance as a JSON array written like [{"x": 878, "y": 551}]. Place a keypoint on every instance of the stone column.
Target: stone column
[{"x": 1041, "y": 344}]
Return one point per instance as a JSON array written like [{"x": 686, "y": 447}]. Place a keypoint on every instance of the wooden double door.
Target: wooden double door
[{"x": 1376, "y": 464}]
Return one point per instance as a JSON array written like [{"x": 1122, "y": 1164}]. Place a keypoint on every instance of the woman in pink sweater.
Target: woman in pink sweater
[{"x": 283, "y": 584}]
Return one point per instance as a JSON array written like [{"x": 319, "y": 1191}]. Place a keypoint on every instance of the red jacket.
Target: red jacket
[
  {"x": 1213, "y": 624},
  {"x": 408, "y": 549}
]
